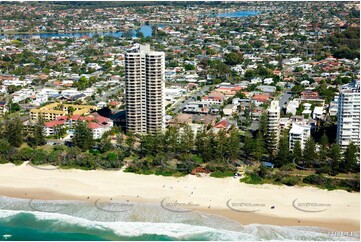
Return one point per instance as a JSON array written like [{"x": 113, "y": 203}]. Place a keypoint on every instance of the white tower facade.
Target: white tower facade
[
  {"x": 348, "y": 123},
  {"x": 273, "y": 119},
  {"x": 144, "y": 75}
]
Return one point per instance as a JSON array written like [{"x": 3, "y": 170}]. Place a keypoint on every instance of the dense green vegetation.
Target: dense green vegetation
[
  {"x": 176, "y": 152},
  {"x": 288, "y": 176},
  {"x": 347, "y": 43}
]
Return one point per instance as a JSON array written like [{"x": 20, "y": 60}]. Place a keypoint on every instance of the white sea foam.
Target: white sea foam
[
  {"x": 185, "y": 231},
  {"x": 154, "y": 220}
]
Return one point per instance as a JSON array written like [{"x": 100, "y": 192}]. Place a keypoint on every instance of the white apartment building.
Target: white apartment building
[
  {"x": 273, "y": 118},
  {"x": 348, "y": 125},
  {"x": 299, "y": 133},
  {"x": 292, "y": 107},
  {"x": 144, "y": 78}
]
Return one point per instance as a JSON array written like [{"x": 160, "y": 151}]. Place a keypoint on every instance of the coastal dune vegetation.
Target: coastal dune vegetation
[{"x": 179, "y": 152}]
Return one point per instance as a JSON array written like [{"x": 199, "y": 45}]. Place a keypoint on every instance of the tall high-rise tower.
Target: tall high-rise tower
[
  {"x": 273, "y": 129},
  {"x": 144, "y": 81},
  {"x": 348, "y": 123}
]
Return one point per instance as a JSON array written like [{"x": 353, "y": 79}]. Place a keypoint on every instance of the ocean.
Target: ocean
[{"x": 24, "y": 219}]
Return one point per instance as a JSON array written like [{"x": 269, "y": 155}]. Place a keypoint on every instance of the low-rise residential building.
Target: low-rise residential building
[
  {"x": 51, "y": 111},
  {"x": 214, "y": 98},
  {"x": 98, "y": 124},
  {"x": 259, "y": 99},
  {"x": 318, "y": 113},
  {"x": 229, "y": 110},
  {"x": 309, "y": 95}
]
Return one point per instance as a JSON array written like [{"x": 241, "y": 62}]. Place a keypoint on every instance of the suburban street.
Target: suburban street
[
  {"x": 191, "y": 97},
  {"x": 285, "y": 98}
]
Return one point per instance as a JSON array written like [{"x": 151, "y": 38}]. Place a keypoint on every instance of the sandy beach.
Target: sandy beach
[{"x": 244, "y": 203}]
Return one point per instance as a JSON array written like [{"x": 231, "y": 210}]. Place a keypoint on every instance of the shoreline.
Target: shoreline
[{"x": 27, "y": 182}]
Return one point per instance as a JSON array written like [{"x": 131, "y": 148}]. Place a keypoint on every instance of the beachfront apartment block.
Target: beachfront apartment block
[
  {"x": 299, "y": 133},
  {"x": 273, "y": 126},
  {"x": 144, "y": 87},
  {"x": 52, "y": 111},
  {"x": 348, "y": 124}
]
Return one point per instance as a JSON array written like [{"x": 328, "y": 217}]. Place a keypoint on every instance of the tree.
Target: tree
[
  {"x": 323, "y": 148},
  {"x": 130, "y": 140},
  {"x": 350, "y": 159},
  {"x": 283, "y": 154},
  {"x": 105, "y": 145},
  {"x": 221, "y": 148},
  {"x": 39, "y": 138},
  {"x": 14, "y": 131},
  {"x": 297, "y": 151},
  {"x": 233, "y": 58},
  {"x": 139, "y": 34},
  {"x": 249, "y": 146},
  {"x": 272, "y": 142},
  {"x": 234, "y": 144},
  {"x": 309, "y": 152},
  {"x": 249, "y": 74},
  {"x": 4, "y": 147},
  {"x": 335, "y": 156},
  {"x": 257, "y": 44},
  {"x": 259, "y": 147},
  {"x": 186, "y": 140},
  {"x": 71, "y": 110},
  {"x": 171, "y": 137},
  {"x": 219, "y": 69},
  {"x": 83, "y": 136},
  {"x": 189, "y": 67},
  {"x": 14, "y": 107},
  {"x": 13, "y": 88},
  {"x": 200, "y": 142},
  {"x": 119, "y": 139},
  {"x": 209, "y": 144},
  {"x": 263, "y": 124}
]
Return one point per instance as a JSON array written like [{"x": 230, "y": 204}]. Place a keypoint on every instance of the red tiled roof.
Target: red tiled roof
[
  {"x": 261, "y": 97},
  {"x": 222, "y": 124},
  {"x": 212, "y": 98},
  {"x": 93, "y": 125},
  {"x": 75, "y": 117},
  {"x": 53, "y": 123}
]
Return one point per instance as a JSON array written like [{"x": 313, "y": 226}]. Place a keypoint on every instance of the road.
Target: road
[
  {"x": 190, "y": 98},
  {"x": 284, "y": 98},
  {"x": 107, "y": 93}
]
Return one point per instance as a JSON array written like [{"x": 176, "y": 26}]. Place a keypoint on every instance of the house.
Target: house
[
  {"x": 309, "y": 95},
  {"x": 223, "y": 124},
  {"x": 229, "y": 110},
  {"x": 259, "y": 99},
  {"x": 205, "y": 119},
  {"x": 181, "y": 119},
  {"x": 213, "y": 98},
  {"x": 269, "y": 89},
  {"x": 268, "y": 81}
]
